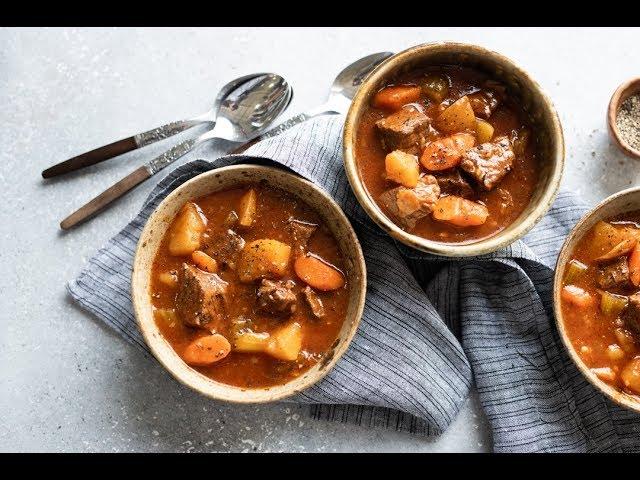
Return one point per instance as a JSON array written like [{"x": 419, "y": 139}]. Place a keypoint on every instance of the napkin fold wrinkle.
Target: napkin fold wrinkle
[{"x": 431, "y": 325}]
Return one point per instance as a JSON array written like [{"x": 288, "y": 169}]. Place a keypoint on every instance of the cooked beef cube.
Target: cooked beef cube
[
  {"x": 276, "y": 297},
  {"x": 314, "y": 302},
  {"x": 301, "y": 233},
  {"x": 614, "y": 274},
  {"x": 407, "y": 130},
  {"x": 484, "y": 103},
  {"x": 224, "y": 246},
  {"x": 453, "y": 183},
  {"x": 489, "y": 162},
  {"x": 631, "y": 314},
  {"x": 201, "y": 299},
  {"x": 411, "y": 204}
]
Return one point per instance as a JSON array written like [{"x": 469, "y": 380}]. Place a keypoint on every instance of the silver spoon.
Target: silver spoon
[
  {"x": 146, "y": 138},
  {"x": 242, "y": 115},
  {"x": 343, "y": 90}
]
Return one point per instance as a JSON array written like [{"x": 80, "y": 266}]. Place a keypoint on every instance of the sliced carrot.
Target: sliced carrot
[
  {"x": 576, "y": 296},
  {"x": 204, "y": 261},
  {"x": 206, "y": 350},
  {"x": 396, "y": 96},
  {"x": 460, "y": 211},
  {"x": 634, "y": 265},
  {"x": 317, "y": 273},
  {"x": 446, "y": 152}
]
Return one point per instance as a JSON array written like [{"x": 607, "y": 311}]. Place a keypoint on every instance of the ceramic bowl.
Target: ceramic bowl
[
  {"x": 520, "y": 86},
  {"x": 618, "y": 203},
  {"x": 624, "y": 91},
  {"x": 222, "y": 179}
]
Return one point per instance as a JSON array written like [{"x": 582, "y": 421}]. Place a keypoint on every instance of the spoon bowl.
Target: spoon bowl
[{"x": 245, "y": 108}]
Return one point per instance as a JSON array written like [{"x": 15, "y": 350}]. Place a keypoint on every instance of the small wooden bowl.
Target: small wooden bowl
[
  {"x": 222, "y": 179},
  {"x": 624, "y": 201},
  {"x": 519, "y": 84},
  {"x": 624, "y": 91}
]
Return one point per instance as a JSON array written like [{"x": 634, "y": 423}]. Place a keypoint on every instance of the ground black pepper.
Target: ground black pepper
[{"x": 628, "y": 121}]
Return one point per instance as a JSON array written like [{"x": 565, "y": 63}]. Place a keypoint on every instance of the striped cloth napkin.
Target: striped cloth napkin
[{"x": 431, "y": 325}]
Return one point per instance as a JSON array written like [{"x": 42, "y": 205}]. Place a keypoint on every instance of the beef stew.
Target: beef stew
[
  {"x": 600, "y": 301},
  {"x": 447, "y": 153},
  {"x": 248, "y": 286}
]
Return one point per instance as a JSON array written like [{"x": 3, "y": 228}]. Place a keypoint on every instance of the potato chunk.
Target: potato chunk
[
  {"x": 263, "y": 258},
  {"x": 457, "y": 117},
  {"x": 247, "y": 210},
  {"x": 402, "y": 168},
  {"x": 284, "y": 344},
  {"x": 484, "y": 131},
  {"x": 184, "y": 237}
]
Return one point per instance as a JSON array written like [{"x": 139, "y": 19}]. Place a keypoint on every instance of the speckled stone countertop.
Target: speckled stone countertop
[{"x": 69, "y": 384}]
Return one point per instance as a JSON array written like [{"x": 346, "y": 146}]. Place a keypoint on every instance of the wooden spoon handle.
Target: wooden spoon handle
[
  {"x": 105, "y": 198},
  {"x": 91, "y": 158}
]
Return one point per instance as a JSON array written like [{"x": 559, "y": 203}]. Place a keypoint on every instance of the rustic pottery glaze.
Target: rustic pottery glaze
[
  {"x": 618, "y": 203},
  {"x": 520, "y": 86},
  {"x": 624, "y": 91},
  {"x": 222, "y": 179}
]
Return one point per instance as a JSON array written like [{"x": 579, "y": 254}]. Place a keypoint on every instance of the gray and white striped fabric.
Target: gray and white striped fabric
[{"x": 431, "y": 325}]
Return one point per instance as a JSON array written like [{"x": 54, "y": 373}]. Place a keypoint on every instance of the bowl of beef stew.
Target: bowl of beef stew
[
  {"x": 597, "y": 297},
  {"x": 453, "y": 149},
  {"x": 248, "y": 283}
]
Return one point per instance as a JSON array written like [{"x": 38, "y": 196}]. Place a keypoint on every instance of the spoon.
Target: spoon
[
  {"x": 243, "y": 114},
  {"x": 342, "y": 91},
  {"x": 145, "y": 138}
]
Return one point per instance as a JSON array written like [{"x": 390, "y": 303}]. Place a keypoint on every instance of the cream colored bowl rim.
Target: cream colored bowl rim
[{"x": 480, "y": 247}]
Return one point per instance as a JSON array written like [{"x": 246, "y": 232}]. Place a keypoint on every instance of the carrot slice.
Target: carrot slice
[
  {"x": 634, "y": 265},
  {"x": 206, "y": 350},
  {"x": 446, "y": 152},
  {"x": 318, "y": 274},
  {"x": 576, "y": 296},
  {"x": 204, "y": 261},
  {"x": 459, "y": 211},
  {"x": 396, "y": 96}
]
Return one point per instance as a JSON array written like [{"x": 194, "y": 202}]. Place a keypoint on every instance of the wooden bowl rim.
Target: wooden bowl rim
[
  {"x": 624, "y": 91},
  {"x": 480, "y": 247},
  {"x": 621, "y": 398},
  {"x": 195, "y": 380}
]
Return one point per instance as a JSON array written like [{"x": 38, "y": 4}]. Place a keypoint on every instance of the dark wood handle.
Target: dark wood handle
[
  {"x": 245, "y": 146},
  {"x": 105, "y": 198},
  {"x": 91, "y": 158}
]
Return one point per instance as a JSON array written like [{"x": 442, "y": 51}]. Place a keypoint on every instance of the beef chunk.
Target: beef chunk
[
  {"x": 301, "y": 233},
  {"x": 411, "y": 204},
  {"x": 224, "y": 246},
  {"x": 489, "y": 162},
  {"x": 314, "y": 302},
  {"x": 201, "y": 299},
  {"x": 614, "y": 274},
  {"x": 407, "y": 130},
  {"x": 453, "y": 183},
  {"x": 276, "y": 297},
  {"x": 484, "y": 103},
  {"x": 631, "y": 315}
]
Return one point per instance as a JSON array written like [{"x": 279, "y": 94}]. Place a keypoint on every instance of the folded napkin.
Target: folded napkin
[{"x": 431, "y": 325}]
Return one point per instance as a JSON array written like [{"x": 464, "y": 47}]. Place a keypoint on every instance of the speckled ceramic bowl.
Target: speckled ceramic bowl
[
  {"x": 624, "y": 201},
  {"x": 222, "y": 179},
  {"x": 520, "y": 86}
]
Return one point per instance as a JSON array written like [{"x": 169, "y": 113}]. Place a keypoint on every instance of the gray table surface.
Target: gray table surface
[{"x": 69, "y": 384}]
